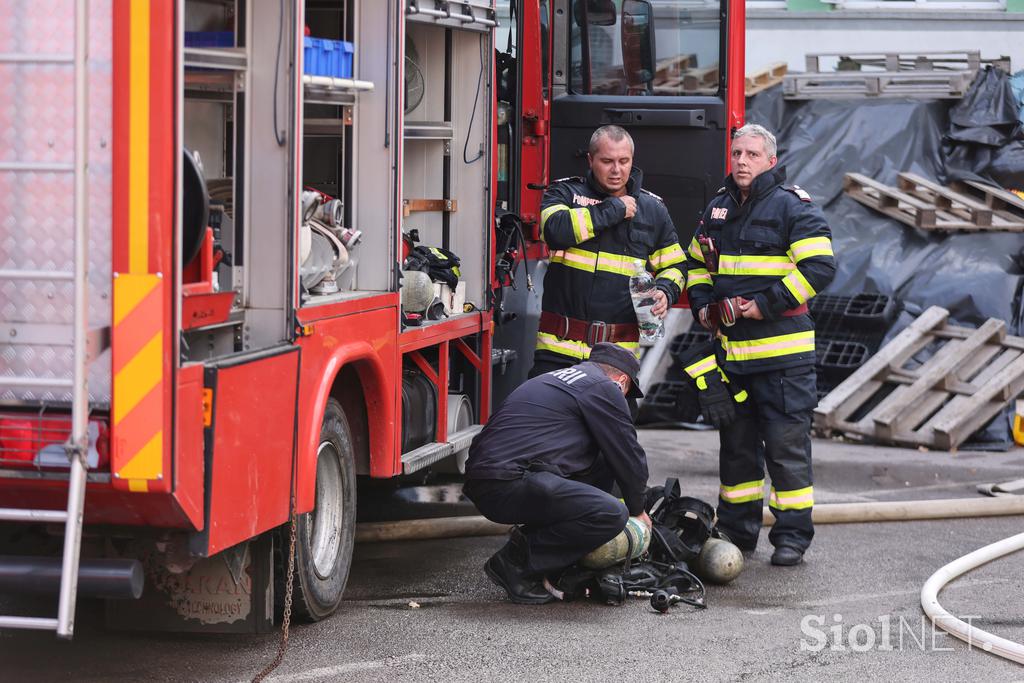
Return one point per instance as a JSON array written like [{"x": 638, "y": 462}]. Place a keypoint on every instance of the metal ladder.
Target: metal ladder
[{"x": 78, "y": 442}]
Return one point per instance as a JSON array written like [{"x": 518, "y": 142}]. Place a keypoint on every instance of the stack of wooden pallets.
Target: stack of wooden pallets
[
  {"x": 764, "y": 78},
  {"x": 963, "y": 206},
  {"x": 933, "y": 75},
  {"x": 937, "y": 404}
]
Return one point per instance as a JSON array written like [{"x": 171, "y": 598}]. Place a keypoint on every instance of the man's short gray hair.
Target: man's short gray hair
[
  {"x": 759, "y": 131},
  {"x": 614, "y": 133}
]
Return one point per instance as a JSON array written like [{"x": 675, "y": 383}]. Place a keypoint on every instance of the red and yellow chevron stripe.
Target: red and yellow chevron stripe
[
  {"x": 138, "y": 364},
  {"x": 143, "y": 229}
]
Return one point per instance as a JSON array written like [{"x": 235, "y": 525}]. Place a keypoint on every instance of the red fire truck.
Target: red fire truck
[{"x": 210, "y": 322}]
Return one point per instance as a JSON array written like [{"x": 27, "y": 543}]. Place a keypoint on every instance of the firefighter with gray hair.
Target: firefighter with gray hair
[{"x": 761, "y": 250}]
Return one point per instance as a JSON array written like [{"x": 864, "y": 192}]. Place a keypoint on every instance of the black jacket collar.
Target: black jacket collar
[{"x": 762, "y": 185}]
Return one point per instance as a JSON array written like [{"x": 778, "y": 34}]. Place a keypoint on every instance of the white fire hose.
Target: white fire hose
[
  {"x": 972, "y": 635},
  {"x": 829, "y": 513}
]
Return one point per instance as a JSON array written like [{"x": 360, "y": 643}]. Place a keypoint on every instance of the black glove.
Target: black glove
[{"x": 716, "y": 402}]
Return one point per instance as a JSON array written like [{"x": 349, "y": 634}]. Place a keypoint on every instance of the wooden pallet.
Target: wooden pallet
[
  {"x": 857, "y": 84},
  {"x": 924, "y": 204},
  {"x": 673, "y": 67},
  {"x": 1004, "y": 204},
  {"x": 943, "y": 60},
  {"x": 704, "y": 80},
  {"x": 764, "y": 79},
  {"x": 937, "y": 404}
]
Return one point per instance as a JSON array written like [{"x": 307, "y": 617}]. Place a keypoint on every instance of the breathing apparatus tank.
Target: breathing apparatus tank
[
  {"x": 719, "y": 561},
  {"x": 635, "y": 536}
]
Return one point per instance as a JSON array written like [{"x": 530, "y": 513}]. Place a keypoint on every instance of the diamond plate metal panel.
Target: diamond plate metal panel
[{"x": 36, "y": 209}]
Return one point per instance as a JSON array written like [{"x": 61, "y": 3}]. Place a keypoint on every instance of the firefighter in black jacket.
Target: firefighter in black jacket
[
  {"x": 600, "y": 230},
  {"x": 548, "y": 458},
  {"x": 761, "y": 251}
]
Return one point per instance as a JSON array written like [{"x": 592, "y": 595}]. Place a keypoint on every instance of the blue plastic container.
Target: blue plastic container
[
  {"x": 209, "y": 39},
  {"x": 322, "y": 57}
]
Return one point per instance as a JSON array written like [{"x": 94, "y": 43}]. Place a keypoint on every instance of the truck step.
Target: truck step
[{"x": 433, "y": 452}]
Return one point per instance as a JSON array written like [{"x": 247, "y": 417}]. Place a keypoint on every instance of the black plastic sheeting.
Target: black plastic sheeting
[{"x": 975, "y": 276}]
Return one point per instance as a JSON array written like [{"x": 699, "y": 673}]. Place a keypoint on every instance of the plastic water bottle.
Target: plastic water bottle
[{"x": 642, "y": 290}]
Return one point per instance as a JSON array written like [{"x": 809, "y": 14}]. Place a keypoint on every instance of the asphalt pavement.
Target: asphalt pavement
[{"x": 425, "y": 611}]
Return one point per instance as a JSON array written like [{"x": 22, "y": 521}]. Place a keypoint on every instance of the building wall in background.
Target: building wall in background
[{"x": 781, "y": 31}]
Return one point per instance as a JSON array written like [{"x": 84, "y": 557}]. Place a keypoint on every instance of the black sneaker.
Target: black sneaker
[
  {"x": 787, "y": 556},
  {"x": 521, "y": 590}
]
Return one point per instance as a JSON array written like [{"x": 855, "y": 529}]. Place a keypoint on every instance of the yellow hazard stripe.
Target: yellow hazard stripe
[
  {"x": 768, "y": 347},
  {"x": 698, "y": 276},
  {"x": 694, "y": 250},
  {"x": 742, "y": 493},
  {"x": 797, "y": 499},
  {"x": 138, "y": 139},
  {"x": 668, "y": 256},
  {"x": 812, "y": 246},
  {"x": 575, "y": 349},
  {"x": 581, "y": 259},
  {"x": 673, "y": 275},
  {"x": 550, "y": 211},
  {"x": 754, "y": 265},
  {"x": 704, "y": 365},
  {"x": 798, "y": 286},
  {"x": 619, "y": 264},
  {"x": 582, "y": 224}
]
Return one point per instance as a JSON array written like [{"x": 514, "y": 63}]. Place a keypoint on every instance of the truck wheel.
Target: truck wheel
[{"x": 324, "y": 536}]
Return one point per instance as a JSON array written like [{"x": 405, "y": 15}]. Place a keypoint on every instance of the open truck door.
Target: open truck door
[{"x": 668, "y": 71}]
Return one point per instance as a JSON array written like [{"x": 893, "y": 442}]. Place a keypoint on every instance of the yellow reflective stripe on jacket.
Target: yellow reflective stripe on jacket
[
  {"x": 768, "y": 347},
  {"x": 812, "y": 246},
  {"x": 575, "y": 349},
  {"x": 673, "y": 275},
  {"x": 702, "y": 366},
  {"x": 698, "y": 276},
  {"x": 669, "y": 256},
  {"x": 547, "y": 213},
  {"x": 694, "y": 250},
  {"x": 582, "y": 224},
  {"x": 742, "y": 493},
  {"x": 617, "y": 263},
  {"x": 798, "y": 499},
  {"x": 581, "y": 259},
  {"x": 798, "y": 286},
  {"x": 754, "y": 265}
]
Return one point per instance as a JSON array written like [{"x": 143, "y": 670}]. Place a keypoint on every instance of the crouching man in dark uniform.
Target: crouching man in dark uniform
[{"x": 547, "y": 460}]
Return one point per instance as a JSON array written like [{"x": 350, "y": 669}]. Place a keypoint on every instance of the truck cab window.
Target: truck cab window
[{"x": 639, "y": 47}]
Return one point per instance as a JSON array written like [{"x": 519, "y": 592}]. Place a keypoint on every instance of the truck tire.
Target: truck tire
[{"x": 325, "y": 535}]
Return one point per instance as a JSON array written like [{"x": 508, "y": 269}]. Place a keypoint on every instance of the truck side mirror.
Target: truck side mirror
[
  {"x": 594, "y": 12},
  {"x": 638, "y": 53}
]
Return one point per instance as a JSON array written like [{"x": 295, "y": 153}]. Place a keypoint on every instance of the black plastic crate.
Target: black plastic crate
[
  {"x": 871, "y": 310},
  {"x": 836, "y": 359},
  {"x": 684, "y": 343}
]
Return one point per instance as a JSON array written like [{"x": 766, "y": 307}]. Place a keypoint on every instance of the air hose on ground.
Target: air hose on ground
[
  {"x": 828, "y": 513},
  {"x": 972, "y": 635}
]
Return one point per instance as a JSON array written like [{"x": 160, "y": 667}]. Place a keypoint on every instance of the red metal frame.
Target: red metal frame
[{"x": 736, "y": 102}]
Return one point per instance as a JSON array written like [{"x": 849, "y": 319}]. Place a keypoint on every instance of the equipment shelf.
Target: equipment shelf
[
  {"x": 429, "y": 130},
  {"x": 329, "y": 90},
  {"x": 224, "y": 58}
]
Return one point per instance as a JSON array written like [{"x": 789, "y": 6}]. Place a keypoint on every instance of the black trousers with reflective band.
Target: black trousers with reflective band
[
  {"x": 772, "y": 429},
  {"x": 563, "y": 519}
]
